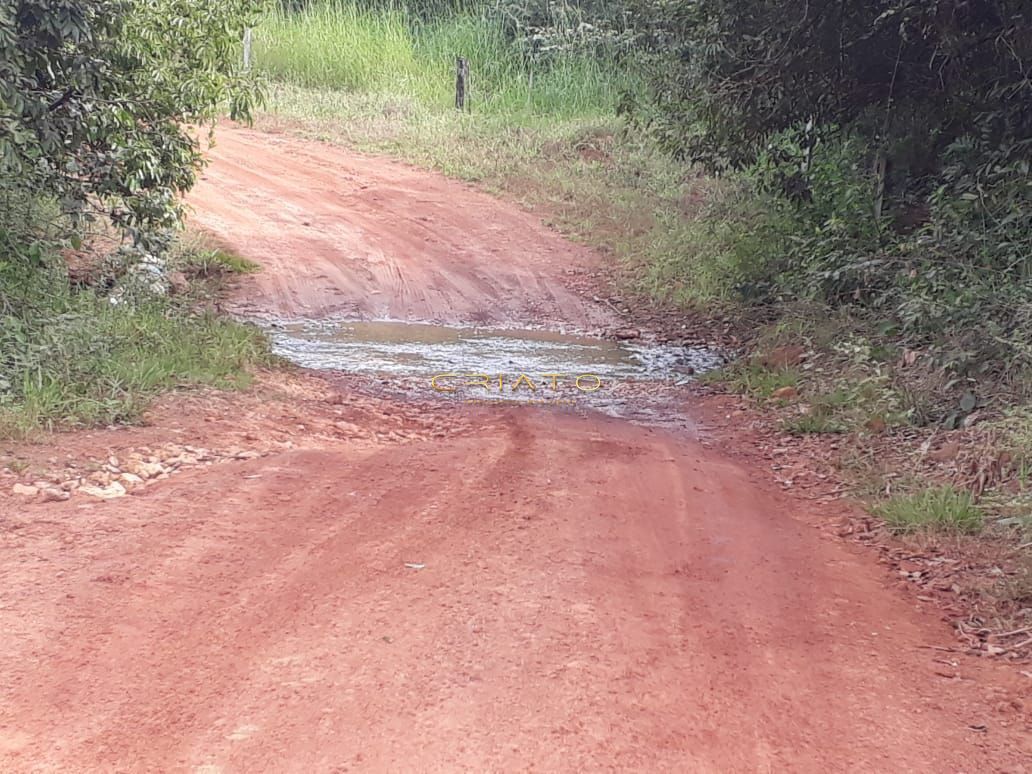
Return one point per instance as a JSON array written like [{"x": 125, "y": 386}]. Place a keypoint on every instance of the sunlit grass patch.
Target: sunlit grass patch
[
  {"x": 940, "y": 509},
  {"x": 344, "y": 46},
  {"x": 813, "y": 422},
  {"x": 753, "y": 378},
  {"x": 208, "y": 263}
]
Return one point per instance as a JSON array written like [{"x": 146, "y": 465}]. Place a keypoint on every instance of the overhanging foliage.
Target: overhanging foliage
[
  {"x": 912, "y": 76},
  {"x": 97, "y": 96}
]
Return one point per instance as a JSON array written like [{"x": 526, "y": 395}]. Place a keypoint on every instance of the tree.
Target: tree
[
  {"x": 910, "y": 76},
  {"x": 98, "y": 97}
]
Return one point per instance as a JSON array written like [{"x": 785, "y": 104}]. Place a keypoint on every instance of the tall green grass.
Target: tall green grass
[
  {"x": 339, "y": 45},
  {"x": 72, "y": 358}
]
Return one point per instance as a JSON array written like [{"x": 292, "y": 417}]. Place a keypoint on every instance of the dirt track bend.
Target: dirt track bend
[
  {"x": 584, "y": 594},
  {"x": 341, "y": 234}
]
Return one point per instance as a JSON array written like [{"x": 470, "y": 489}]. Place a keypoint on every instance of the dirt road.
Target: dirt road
[
  {"x": 494, "y": 589},
  {"x": 341, "y": 234}
]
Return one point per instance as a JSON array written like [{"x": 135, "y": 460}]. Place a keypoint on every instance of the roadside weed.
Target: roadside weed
[{"x": 940, "y": 509}]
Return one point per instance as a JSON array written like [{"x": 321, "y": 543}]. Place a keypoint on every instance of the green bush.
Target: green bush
[
  {"x": 96, "y": 97},
  {"x": 800, "y": 224},
  {"x": 909, "y": 77},
  {"x": 878, "y": 155}
]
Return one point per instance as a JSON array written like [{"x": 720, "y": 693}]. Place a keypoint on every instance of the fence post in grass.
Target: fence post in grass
[
  {"x": 247, "y": 48},
  {"x": 461, "y": 82}
]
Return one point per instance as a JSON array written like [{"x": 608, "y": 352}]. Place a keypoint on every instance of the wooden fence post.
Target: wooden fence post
[
  {"x": 247, "y": 48},
  {"x": 461, "y": 83}
]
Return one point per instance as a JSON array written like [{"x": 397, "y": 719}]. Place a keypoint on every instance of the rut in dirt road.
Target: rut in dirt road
[
  {"x": 542, "y": 593},
  {"x": 457, "y": 588}
]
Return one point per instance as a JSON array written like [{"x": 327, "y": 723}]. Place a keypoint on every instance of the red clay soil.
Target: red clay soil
[
  {"x": 489, "y": 589},
  {"x": 341, "y": 234}
]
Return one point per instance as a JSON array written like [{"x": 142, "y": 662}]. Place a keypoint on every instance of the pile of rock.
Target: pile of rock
[{"x": 113, "y": 477}]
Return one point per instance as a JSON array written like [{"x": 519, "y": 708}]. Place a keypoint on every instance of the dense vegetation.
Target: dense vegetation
[
  {"x": 96, "y": 99},
  {"x": 410, "y": 51},
  {"x": 884, "y": 148}
]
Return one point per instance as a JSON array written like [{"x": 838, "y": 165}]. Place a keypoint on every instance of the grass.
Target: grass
[
  {"x": 1011, "y": 507},
  {"x": 941, "y": 510},
  {"x": 813, "y": 422},
  {"x": 938, "y": 509},
  {"x": 215, "y": 263},
  {"x": 843, "y": 382},
  {"x": 343, "y": 46},
  {"x": 72, "y": 358},
  {"x": 752, "y": 378},
  {"x": 338, "y": 46}
]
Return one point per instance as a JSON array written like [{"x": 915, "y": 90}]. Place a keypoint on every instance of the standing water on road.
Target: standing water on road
[
  {"x": 490, "y": 364},
  {"x": 411, "y": 349}
]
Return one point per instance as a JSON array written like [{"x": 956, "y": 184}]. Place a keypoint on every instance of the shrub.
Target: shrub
[
  {"x": 96, "y": 97},
  {"x": 882, "y": 151}
]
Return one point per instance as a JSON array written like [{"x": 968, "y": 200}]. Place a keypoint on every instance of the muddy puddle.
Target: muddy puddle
[{"x": 473, "y": 365}]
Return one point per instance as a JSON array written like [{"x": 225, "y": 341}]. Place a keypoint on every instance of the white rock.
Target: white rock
[
  {"x": 25, "y": 490},
  {"x": 53, "y": 495},
  {"x": 146, "y": 469},
  {"x": 112, "y": 490}
]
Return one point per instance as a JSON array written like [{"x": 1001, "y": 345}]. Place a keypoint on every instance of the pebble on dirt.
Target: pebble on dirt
[
  {"x": 111, "y": 491},
  {"x": 112, "y": 477},
  {"x": 53, "y": 494}
]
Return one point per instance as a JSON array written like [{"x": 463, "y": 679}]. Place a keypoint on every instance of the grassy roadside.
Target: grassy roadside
[{"x": 77, "y": 353}]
